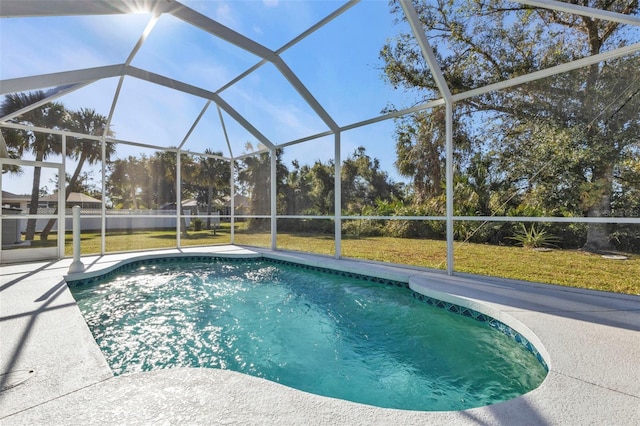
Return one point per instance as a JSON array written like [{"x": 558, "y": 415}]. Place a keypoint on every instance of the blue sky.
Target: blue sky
[{"x": 338, "y": 64}]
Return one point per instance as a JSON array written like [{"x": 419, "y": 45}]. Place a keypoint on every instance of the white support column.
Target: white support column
[
  {"x": 338, "y": 197},
  {"x": 273, "y": 196},
  {"x": 232, "y": 201},
  {"x": 103, "y": 208},
  {"x": 449, "y": 185},
  {"x": 62, "y": 201},
  {"x": 429, "y": 56},
  {"x": 77, "y": 265},
  {"x": 178, "y": 198}
]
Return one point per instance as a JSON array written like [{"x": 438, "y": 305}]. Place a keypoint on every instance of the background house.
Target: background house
[
  {"x": 73, "y": 199},
  {"x": 241, "y": 204},
  {"x": 17, "y": 201}
]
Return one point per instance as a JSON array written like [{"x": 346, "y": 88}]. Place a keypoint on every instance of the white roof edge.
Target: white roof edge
[{"x": 41, "y": 81}]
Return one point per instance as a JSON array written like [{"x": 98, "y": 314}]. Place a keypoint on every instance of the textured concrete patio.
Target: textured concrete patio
[{"x": 590, "y": 340}]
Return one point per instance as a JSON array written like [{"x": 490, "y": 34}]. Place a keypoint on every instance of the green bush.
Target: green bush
[
  {"x": 310, "y": 226},
  {"x": 401, "y": 228},
  {"x": 433, "y": 229},
  {"x": 258, "y": 224},
  {"x": 570, "y": 236},
  {"x": 362, "y": 228},
  {"x": 482, "y": 232},
  {"x": 197, "y": 224},
  {"x": 626, "y": 237},
  {"x": 533, "y": 237}
]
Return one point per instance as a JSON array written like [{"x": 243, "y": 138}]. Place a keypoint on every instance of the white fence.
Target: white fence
[{"x": 90, "y": 219}]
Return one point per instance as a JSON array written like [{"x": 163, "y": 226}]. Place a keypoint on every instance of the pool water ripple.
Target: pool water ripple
[{"x": 323, "y": 333}]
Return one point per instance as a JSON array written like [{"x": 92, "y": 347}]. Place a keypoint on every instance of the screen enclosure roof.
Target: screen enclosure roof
[{"x": 233, "y": 78}]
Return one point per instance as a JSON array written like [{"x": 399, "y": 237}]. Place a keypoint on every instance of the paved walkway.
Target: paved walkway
[{"x": 591, "y": 341}]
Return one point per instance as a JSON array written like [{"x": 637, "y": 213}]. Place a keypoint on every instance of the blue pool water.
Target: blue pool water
[{"x": 323, "y": 333}]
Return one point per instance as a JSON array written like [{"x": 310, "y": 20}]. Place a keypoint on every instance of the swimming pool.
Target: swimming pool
[{"x": 357, "y": 338}]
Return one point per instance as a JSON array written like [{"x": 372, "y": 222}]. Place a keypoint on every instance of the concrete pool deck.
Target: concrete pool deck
[{"x": 590, "y": 340}]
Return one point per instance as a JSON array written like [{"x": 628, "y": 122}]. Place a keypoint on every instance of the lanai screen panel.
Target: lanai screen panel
[
  {"x": 564, "y": 160},
  {"x": 205, "y": 195},
  {"x": 153, "y": 114},
  {"x": 252, "y": 200},
  {"x": 270, "y": 23},
  {"x": 207, "y": 133},
  {"x": 240, "y": 140},
  {"x": 141, "y": 199},
  {"x": 348, "y": 68},
  {"x": 306, "y": 187},
  {"x": 481, "y": 43},
  {"x": 273, "y": 106},
  {"x": 392, "y": 190},
  {"x": 340, "y": 63},
  {"x": 180, "y": 51},
  {"x": 43, "y": 45}
]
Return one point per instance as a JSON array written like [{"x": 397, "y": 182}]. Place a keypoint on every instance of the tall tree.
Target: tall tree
[
  {"x": 213, "y": 177},
  {"x": 84, "y": 151},
  {"x": 50, "y": 115},
  {"x": 420, "y": 150},
  {"x": 87, "y": 151},
  {"x": 189, "y": 171},
  {"x": 162, "y": 175},
  {"x": 126, "y": 181},
  {"x": 297, "y": 198},
  {"x": 592, "y": 111},
  {"x": 255, "y": 176},
  {"x": 12, "y": 151},
  {"x": 323, "y": 187},
  {"x": 363, "y": 182}
]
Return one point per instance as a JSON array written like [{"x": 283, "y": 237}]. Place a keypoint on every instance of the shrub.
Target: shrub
[
  {"x": 482, "y": 232},
  {"x": 258, "y": 224},
  {"x": 534, "y": 238},
  {"x": 311, "y": 226},
  {"x": 626, "y": 238},
  {"x": 570, "y": 236},
  {"x": 197, "y": 224},
  {"x": 415, "y": 229},
  {"x": 362, "y": 228}
]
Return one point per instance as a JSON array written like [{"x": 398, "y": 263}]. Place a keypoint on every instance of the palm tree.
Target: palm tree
[
  {"x": 50, "y": 115},
  {"x": 9, "y": 152},
  {"x": 88, "y": 122},
  {"x": 126, "y": 178},
  {"x": 255, "y": 176},
  {"x": 164, "y": 168}
]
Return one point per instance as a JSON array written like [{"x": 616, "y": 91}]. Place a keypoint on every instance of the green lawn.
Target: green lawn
[
  {"x": 573, "y": 268},
  {"x": 565, "y": 267}
]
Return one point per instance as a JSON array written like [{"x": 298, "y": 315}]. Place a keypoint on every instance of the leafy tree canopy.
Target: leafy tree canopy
[{"x": 562, "y": 140}]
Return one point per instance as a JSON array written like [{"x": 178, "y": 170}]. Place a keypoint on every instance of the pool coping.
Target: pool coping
[{"x": 589, "y": 339}]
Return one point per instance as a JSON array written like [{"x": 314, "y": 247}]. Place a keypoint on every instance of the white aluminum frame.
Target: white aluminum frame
[
  {"x": 61, "y": 206},
  {"x": 75, "y": 79}
]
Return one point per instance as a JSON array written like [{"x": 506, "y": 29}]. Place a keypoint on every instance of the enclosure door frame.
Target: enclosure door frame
[{"x": 28, "y": 254}]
